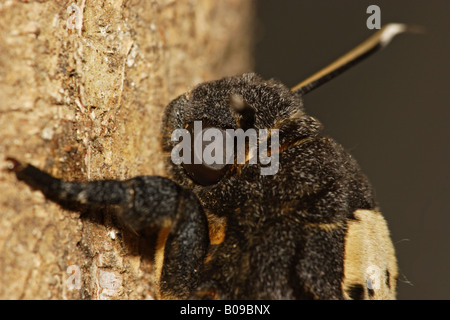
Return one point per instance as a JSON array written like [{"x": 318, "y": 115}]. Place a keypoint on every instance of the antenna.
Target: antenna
[{"x": 376, "y": 42}]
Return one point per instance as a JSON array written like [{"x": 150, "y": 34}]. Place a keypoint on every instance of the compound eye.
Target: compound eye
[
  {"x": 203, "y": 174},
  {"x": 208, "y": 155}
]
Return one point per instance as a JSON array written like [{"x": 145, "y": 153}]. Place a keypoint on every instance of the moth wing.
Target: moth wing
[{"x": 370, "y": 266}]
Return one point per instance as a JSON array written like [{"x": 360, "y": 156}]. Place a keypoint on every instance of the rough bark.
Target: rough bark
[{"x": 83, "y": 99}]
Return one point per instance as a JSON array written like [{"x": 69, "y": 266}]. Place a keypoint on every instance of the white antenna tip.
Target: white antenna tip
[{"x": 389, "y": 31}]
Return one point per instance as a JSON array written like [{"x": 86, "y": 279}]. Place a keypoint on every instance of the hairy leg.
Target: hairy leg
[{"x": 142, "y": 201}]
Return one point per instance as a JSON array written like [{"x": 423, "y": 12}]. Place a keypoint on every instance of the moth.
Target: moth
[{"x": 312, "y": 230}]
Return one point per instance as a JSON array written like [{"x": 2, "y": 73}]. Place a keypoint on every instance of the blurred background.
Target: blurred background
[{"x": 390, "y": 111}]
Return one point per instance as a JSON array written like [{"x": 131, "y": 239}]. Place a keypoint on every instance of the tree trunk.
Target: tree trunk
[{"x": 83, "y": 85}]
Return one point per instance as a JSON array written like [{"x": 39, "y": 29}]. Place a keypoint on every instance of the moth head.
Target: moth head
[{"x": 241, "y": 102}]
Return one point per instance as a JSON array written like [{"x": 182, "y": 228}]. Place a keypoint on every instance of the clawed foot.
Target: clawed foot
[{"x": 14, "y": 164}]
